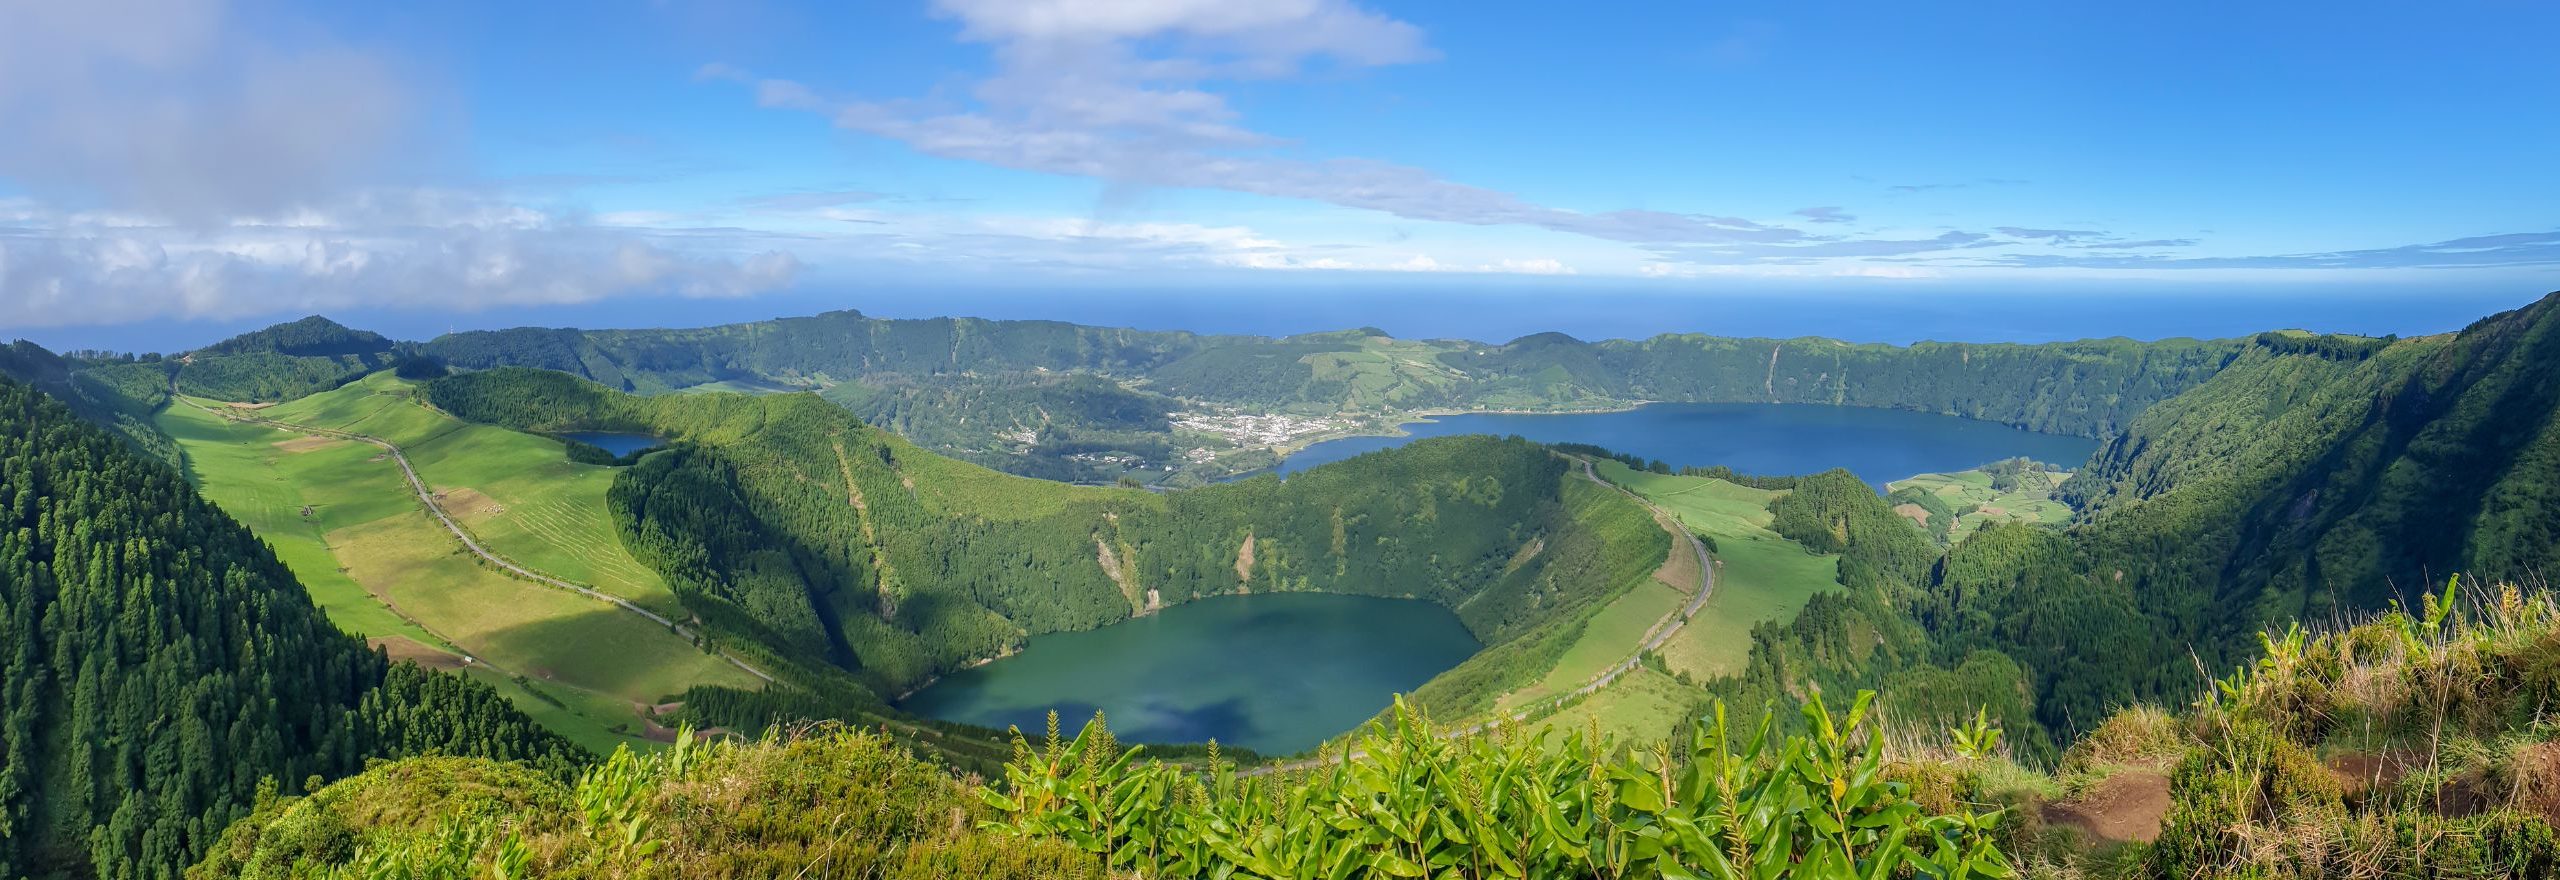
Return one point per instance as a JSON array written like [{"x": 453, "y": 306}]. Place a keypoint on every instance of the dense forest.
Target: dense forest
[
  {"x": 158, "y": 665},
  {"x": 785, "y": 519}
]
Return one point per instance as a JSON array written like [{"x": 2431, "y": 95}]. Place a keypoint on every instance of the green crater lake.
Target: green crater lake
[{"x": 1277, "y": 673}]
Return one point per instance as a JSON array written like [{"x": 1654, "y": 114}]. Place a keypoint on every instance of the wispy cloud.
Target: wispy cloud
[
  {"x": 180, "y": 161},
  {"x": 2144, "y": 243},
  {"x": 1828, "y": 214},
  {"x": 1824, "y": 250},
  {"x": 810, "y": 200},
  {"x": 449, "y": 251},
  {"x": 173, "y": 107},
  {"x": 1124, "y": 94},
  {"x": 1969, "y": 184},
  {"x": 2508, "y": 250},
  {"x": 2051, "y": 236}
]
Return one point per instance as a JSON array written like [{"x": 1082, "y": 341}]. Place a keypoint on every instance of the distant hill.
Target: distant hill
[
  {"x": 314, "y": 336},
  {"x": 878, "y": 367}
]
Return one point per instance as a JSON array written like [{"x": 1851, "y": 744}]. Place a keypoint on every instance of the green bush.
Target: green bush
[{"x": 1408, "y": 801}]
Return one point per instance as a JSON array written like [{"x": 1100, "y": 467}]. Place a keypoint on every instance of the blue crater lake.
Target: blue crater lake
[
  {"x": 1879, "y": 445},
  {"x": 1277, "y": 673},
  {"x": 620, "y": 444}
]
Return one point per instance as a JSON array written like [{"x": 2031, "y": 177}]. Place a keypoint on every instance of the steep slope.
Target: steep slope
[
  {"x": 783, "y": 518},
  {"x": 119, "y": 396},
  {"x": 2340, "y": 479},
  {"x": 2313, "y": 478},
  {"x": 157, "y": 662}
]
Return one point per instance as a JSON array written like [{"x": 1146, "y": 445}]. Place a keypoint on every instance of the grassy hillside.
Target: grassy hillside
[
  {"x": 1760, "y": 575},
  {"x": 344, "y": 518}
]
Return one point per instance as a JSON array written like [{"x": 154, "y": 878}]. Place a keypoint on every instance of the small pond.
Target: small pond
[{"x": 618, "y": 443}]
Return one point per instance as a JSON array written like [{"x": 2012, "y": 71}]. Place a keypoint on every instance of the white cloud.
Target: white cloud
[
  {"x": 442, "y": 254},
  {"x": 1541, "y": 266},
  {"x": 1122, "y": 92},
  {"x": 181, "y": 159},
  {"x": 176, "y": 107}
]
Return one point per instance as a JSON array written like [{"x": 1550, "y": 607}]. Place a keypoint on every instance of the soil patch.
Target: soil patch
[
  {"x": 2123, "y": 808},
  {"x": 469, "y": 505},
  {"x": 404, "y": 648},
  {"x": 1914, "y": 512},
  {"x": 1679, "y": 570},
  {"x": 1110, "y": 560},
  {"x": 299, "y": 445},
  {"x": 2360, "y": 775}
]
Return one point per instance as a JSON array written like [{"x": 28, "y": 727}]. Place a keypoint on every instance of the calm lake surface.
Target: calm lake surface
[
  {"x": 1277, "y": 673},
  {"x": 1879, "y": 445},
  {"x": 617, "y": 443}
]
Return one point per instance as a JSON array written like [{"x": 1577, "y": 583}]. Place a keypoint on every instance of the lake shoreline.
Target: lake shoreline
[
  {"x": 1880, "y": 444},
  {"x": 1272, "y": 672}
]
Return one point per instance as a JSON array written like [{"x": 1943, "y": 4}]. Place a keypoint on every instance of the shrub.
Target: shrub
[{"x": 1410, "y": 802}]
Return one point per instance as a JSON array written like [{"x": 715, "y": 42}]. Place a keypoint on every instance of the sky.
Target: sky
[{"x": 2013, "y": 170}]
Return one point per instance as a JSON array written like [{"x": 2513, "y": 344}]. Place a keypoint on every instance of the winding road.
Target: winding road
[
  {"x": 427, "y": 497},
  {"x": 1654, "y": 637}
]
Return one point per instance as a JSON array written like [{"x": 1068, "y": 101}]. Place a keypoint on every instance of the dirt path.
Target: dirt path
[
  {"x": 427, "y": 497},
  {"x": 1661, "y": 631},
  {"x": 2128, "y": 806}
]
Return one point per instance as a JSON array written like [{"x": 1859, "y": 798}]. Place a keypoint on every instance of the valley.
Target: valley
[{"x": 616, "y": 565}]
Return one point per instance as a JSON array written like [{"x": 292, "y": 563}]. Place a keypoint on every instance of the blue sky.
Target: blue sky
[{"x": 472, "y": 163}]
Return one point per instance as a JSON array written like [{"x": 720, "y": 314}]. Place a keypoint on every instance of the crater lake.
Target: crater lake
[
  {"x": 1879, "y": 445},
  {"x": 1277, "y": 673}
]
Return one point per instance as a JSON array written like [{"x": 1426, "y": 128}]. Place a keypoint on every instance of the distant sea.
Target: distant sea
[{"x": 1497, "y": 310}]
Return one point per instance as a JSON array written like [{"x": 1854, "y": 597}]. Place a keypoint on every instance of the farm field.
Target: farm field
[
  {"x": 1976, "y": 503},
  {"x": 340, "y": 514},
  {"x": 1759, "y": 575},
  {"x": 1606, "y": 640},
  {"x": 518, "y": 493},
  {"x": 1642, "y": 706}
]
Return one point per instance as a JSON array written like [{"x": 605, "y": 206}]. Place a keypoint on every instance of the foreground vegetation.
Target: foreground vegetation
[{"x": 2413, "y": 745}]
